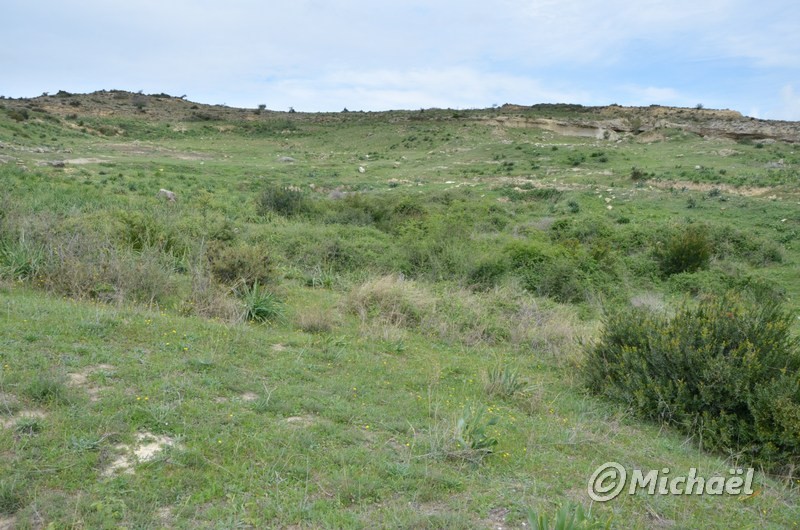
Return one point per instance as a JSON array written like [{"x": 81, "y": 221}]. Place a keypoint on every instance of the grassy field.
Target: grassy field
[{"x": 355, "y": 320}]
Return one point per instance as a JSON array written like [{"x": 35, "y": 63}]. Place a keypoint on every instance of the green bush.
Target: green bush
[
  {"x": 20, "y": 260},
  {"x": 239, "y": 263},
  {"x": 12, "y": 495},
  {"x": 488, "y": 271},
  {"x": 141, "y": 231},
  {"x": 283, "y": 200},
  {"x": 548, "y": 270},
  {"x": 314, "y": 247},
  {"x": 726, "y": 371},
  {"x": 261, "y": 305},
  {"x": 685, "y": 250}
]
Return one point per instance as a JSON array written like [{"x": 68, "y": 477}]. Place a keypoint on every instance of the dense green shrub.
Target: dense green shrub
[
  {"x": 436, "y": 248},
  {"x": 730, "y": 242},
  {"x": 331, "y": 247},
  {"x": 686, "y": 250},
  {"x": 239, "y": 263},
  {"x": 283, "y": 200},
  {"x": 142, "y": 230},
  {"x": 548, "y": 270},
  {"x": 726, "y": 371},
  {"x": 487, "y": 271}
]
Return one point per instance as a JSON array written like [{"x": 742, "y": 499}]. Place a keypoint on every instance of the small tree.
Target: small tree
[{"x": 139, "y": 101}]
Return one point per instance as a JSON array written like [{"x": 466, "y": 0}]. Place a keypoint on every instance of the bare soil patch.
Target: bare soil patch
[
  {"x": 750, "y": 191},
  {"x": 300, "y": 421},
  {"x": 147, "y": 447},
  {"x": 81, "y": 379},
  {"x": 22, "y": 415}
]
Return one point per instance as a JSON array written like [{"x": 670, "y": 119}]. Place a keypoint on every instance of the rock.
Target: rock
[
  {"x": 286, "y": 159},
  {"x": 169, "y": 195},
  {"x": 361, "y": 169}
]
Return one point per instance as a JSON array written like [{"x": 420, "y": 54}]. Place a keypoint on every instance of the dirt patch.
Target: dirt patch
[
  {"x": 248, "y": 397},
  {"x": 81, "y": 379},
  {"x": 147, "y": 447},
  {"x": 750, "y": 191},
  {"x": 8, "y": 403},
  {"x": 83, "y": 161},
  {"x": 135, "y": 148},
  {"x": 7, "y": 523},
  {"x": 165, "y": 516},
  {"x": 141, "y": 149},
  {"x": 278, "y": 347},
  {"x": 22, "y": 415},
  {"x": 193, "y": 156},
  {"x": 725, "y": 152},
  {"x": 650, "y": 137},
  {"x": 497, "y": 518},
  {"x": 300, "y": 421},
  {"x": 530, "y": 183}
]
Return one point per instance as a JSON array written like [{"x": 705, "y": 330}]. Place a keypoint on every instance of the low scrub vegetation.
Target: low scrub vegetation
[
  {"x": 389, "y": 315},
  {"x": 725, "y": 370}
]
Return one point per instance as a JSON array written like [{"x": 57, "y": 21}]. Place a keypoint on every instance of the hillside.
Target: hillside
[{"x": 375, "y": 319}]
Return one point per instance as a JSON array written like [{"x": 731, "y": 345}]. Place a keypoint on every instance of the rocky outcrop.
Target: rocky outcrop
[{"x": 613, "y": 121}]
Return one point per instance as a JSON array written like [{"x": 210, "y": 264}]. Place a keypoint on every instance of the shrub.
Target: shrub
[
  {"x": 20, "y": 260},
  {"x": 12, "y": 496},
  {"x": 18, "y": 114},
  {"x": 568, "y": 517},
  {"x": 141, "y": 231},
  {"x": 686, "y": 250},
  {"x": 240, "y": 263},
  {"x": 471, "y": 434},
  {"x": 487, "y": 272},
  {"x": 261, "y": 305},
  {"x": 726, "y": 371},
  {"x": 209, "y": 299},
  {"x": 314, "y": 320},
  {"x": 548, "y": 270},
  {"x": 47, "y": 389},
  {"x": 637, "y": 174},
  {"x": 503, "y": 381},
  {"x": 283, "y": 200},
  {"x": 84, "y": 267},
  {"x": 391, "y": 299}
]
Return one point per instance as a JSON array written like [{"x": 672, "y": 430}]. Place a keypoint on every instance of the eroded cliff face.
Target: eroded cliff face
[{"x": 615, "y": 121}]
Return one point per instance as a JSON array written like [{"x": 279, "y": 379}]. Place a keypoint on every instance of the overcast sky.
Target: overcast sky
[{"x": 325, "y": 55}]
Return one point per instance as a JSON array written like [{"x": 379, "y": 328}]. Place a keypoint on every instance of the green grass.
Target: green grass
[{"x": 418, "y": 363}]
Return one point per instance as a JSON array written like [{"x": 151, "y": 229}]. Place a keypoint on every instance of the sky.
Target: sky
[{"x": 317, "y": 55}]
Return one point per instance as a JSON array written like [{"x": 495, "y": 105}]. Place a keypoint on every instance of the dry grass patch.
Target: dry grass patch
[
  {"x": 391, "y": 299},
  {"x": 316, "y": 320}
]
